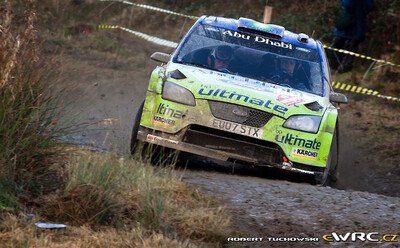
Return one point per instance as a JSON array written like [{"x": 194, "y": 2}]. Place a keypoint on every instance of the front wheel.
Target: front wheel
[
  {"x": 329, "y": 176},
  {"x": 156, "y": 155},
  {"x": 135, "y": 129},
  {"x": 159, "y": 155}
]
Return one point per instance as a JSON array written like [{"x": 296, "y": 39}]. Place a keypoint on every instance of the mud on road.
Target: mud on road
[{"x": 102, "y": 93}]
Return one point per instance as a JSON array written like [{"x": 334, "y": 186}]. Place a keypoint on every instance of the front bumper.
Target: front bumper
[{"x": 213, "y": 143}]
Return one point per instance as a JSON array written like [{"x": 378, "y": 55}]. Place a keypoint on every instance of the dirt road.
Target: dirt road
[
  {"x": 272, "y": 208},
  {"x": 104, "y": 91}
]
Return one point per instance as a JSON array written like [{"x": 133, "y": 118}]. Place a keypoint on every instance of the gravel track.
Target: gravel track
[{"x": 107, "y": 99}]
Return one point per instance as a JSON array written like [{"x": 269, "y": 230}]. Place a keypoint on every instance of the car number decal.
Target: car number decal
[{"x": 237, "y": 128}]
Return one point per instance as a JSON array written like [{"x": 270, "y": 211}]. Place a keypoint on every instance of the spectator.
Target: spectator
[{"x": 349, "y": 32}]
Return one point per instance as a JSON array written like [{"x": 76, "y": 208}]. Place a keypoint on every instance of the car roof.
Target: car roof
[{"x": 233, "y": 24}]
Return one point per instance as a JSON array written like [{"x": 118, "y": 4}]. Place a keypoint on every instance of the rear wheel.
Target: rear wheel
[{"x": 330, "y": 173}]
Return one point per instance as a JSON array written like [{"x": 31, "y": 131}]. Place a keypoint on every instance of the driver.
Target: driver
[
  {"x": 291, "y": 73},
  {"x": 285, "y": 71},
  {"x": 220, "y": 57}
]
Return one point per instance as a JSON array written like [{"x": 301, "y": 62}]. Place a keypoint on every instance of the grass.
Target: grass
[
  {"x": 27, "y": 152},
  {"x": 17, "y": 232},
  {"x": 7, "y": 199},
  {"x": 131, "y": 202}
]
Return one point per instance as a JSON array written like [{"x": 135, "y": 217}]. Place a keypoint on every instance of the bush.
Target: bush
[{"x": 27, "y": 151}]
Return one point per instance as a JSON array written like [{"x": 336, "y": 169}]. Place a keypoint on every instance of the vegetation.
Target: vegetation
[
  {"x": 104, "y": 200},
  {"x": 125, "y": 199},
  {"x": 26, "y": 154}
]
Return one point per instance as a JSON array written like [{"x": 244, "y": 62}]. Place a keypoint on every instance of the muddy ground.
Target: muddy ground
[{"x": 102, "y": 90}]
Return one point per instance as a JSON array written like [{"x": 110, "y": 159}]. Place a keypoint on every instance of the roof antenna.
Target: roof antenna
[{"x": 215, "y": 20}]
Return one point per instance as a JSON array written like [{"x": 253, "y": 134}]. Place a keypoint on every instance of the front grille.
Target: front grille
[
  {"x": 256, "y": 149},
  {"x": 239, "y": 114}
]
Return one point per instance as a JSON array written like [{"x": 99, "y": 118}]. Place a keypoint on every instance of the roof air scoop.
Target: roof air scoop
[{"x": 251, "y": 25}]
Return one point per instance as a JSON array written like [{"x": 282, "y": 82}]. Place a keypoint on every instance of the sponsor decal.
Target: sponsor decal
[
  {"x": 259, "y": 39},
  {"x": 273, "y": 43},
  {"x": 152, "y": 138},
  {"x": 237, "y": 128},
  {"x": 209, "y": 75},
  {"x": 163, "y": 121},
  {"x": 303, "y": 49},
  {"x": 164, "y": 109},
  {"x": 301, "y": 153},
  {"x": 235, "y": 80},
  {"x": 232, "y": 95},
  {"x": 294, "y": 140},
  {"x": 212, "y": 29},
  {"x": 237, "y": 35},
  {"x": 289, "y": 100},
  {"x": 224, "y": 148}
]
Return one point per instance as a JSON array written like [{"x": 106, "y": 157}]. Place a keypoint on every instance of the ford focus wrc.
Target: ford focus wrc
[{"x": 240, "y": 90}]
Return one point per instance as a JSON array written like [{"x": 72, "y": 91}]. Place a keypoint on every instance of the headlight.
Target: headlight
[
  {"x": 306, "y": 123},
  {"x": 176, "y": 93}
]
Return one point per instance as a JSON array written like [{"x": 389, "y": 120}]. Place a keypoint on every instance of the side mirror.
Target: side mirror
[
  {"x": 338, "y": 98},
  {"x": 161, "y": 57}
]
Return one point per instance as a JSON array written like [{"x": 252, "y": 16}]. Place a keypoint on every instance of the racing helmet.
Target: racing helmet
[
  {"x": 222, "y": 53},
  {"x": 288, "y": 65}
]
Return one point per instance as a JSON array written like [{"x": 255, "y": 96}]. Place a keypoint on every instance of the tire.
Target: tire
[
  {"x": 159, "y": 155},
  {"x": 156, "y": 155},
  {"x": 330, "y": 173},
  {"x": 135, "y": 129}
]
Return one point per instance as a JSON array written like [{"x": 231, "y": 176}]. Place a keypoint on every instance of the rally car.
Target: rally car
[{"x": 244, "y": 91}]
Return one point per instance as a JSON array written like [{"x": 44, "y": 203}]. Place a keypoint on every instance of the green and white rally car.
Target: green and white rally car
[{"x": 241, "y": 90}]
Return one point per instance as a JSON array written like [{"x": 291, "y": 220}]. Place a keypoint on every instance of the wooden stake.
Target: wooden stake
[{"x": 267, "y": 14}]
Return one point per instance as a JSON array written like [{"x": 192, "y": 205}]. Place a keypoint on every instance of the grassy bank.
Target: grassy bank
[{"x": 111, "y": 202}]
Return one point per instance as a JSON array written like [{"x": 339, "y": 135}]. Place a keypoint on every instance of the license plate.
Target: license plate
[{"x": 237, "y": 128}]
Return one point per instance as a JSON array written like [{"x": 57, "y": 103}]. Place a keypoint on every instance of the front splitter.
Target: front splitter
[{"x": 167, "y": 140}]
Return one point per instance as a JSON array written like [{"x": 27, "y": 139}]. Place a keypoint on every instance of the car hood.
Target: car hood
[{"x": 279, "y": 100}]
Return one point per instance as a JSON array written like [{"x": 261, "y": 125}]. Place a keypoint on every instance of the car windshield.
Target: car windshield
[{"x": 253, "y": 56}]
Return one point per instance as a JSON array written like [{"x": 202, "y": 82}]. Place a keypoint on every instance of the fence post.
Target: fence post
[{"x": 267, "y": 14}]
